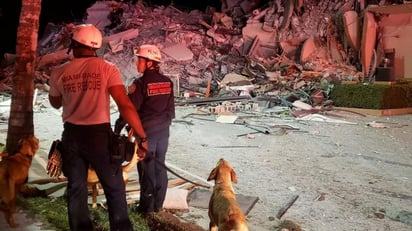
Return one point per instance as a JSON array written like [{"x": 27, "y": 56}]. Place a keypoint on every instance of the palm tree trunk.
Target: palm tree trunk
[{"x": 21, "y": 110}]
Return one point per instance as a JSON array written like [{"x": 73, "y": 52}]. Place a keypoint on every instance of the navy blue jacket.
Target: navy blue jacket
[{"x": 154, "y": 100}]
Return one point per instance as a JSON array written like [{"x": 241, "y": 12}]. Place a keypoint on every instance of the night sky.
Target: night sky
[
  {"x": 52, "y": 11},
  {"x": 66, "y": 11}
]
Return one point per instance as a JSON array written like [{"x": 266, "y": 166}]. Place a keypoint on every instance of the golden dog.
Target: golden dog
[
  {"x": 93, "y": 180},
  {"x": 14, "y": 170},
  {"x": 224, "y": 211}
]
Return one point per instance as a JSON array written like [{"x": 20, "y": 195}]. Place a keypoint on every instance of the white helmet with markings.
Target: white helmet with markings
[
  {"x": 88, "y": 35},
  {"x": 149, "y": 52}
]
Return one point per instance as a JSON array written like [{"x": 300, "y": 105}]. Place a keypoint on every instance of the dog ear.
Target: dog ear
[
  {"x": 233, "y": 176},
  {"x": 29, "y": 145},
  {"x": 35, "y": 143},
  {"x": 26, "y": 147},
  {"x": 212, "y": 175}
]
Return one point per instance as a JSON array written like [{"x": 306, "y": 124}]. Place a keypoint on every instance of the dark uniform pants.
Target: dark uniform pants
[
  {"x": 84, "y": 145},
  {"x": 152, "y": 176}
]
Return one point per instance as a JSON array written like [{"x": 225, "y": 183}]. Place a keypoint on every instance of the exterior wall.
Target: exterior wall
[{"x": 397, "y": 34}]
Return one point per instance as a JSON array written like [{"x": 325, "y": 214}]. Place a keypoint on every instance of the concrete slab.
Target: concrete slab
[{"x": 179, "y": 52}]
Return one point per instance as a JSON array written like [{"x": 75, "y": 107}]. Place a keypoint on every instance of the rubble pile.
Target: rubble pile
[{"x": 283, "y": 49}]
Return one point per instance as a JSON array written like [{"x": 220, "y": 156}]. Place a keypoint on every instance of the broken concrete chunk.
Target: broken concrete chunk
[
  {"x": 244, "y": 90},
  {"x": 308, "y": 48},
  {"x": 273, "y": 76},
  {"x": 53, "y": 58},
  {"x": 116, "y": 45},
  {"x": 234, "y": 79},
  {"x": 266, "y": 40},
  {"x": 218, "y": 37},
  {"x": 98, "y": 14},
  {"x": 287, "y": 14},
  {"x": 226, "y": 119},
  {"x": 368, "y": 42},
  {"x": 124, "y": 35},
  {"x": 178, "y": 52},
  {"x": 301, "y": 105},
  {"x": 351, "y": 23},
  {"x": 207, "y": 56}
]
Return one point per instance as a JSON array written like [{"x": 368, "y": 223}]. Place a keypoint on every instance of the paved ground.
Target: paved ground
[{"x": 348, "y": 176}]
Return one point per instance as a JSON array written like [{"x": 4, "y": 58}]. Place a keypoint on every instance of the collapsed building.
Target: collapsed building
[
  {"x": 288, "y": 53},
  {"x": 279, "y": 50}
]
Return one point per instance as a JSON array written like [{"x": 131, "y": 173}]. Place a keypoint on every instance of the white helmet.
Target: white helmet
[
  {"x": 88, "y": 35},
  {"x": 149, "y": 52}
]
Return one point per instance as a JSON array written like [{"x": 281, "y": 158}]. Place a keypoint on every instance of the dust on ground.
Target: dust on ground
[{"x": 346, "y": 176}]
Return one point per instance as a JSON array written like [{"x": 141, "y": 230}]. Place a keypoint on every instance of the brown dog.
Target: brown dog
[
  {"x": 14, "y": 170},
  {"x": 224, "y": 211},
  {"x": 93, "y": 180}
]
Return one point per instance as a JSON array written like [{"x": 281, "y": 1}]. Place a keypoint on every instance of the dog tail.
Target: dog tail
[{"x": 131, "y": 163}]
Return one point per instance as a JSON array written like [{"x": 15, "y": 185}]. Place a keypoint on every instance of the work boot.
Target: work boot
[{"x": 143, "y": 213}]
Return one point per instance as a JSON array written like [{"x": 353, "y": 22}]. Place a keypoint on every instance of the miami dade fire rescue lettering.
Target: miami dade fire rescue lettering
[
  {"x": 159, "y": 88},
  {"x": 80, "y": 83}
]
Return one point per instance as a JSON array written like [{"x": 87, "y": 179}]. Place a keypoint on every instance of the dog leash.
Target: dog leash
[{"x": 149, "y": 155}]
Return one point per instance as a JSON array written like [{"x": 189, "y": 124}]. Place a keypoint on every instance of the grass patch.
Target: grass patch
[{"x": 54, "y": 212}]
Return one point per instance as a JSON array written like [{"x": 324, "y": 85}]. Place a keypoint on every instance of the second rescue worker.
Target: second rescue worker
[{"x": 154, "y": 101}]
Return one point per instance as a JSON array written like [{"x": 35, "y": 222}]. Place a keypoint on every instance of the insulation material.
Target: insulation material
[{"x": 176, "y": 199}]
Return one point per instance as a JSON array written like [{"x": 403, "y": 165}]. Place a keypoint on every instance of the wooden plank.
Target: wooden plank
[
  {"x": 175, "y": 168},
  {"x": 190, "y": 186},
  {"x": 175, "y": 182}
]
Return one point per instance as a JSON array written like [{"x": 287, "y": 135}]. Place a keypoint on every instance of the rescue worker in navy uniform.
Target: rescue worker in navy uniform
[
  {"x": 82, "y": 87},
  {"x": 154, "y": 101}
]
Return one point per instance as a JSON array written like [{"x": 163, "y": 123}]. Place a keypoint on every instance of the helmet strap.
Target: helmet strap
[
  {"x": 149, "y": 64},
  {"x": 153, "y": 64},
  {"x": 81, "y": 51}
]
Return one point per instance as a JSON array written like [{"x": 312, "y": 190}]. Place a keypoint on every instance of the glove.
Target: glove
[{"x": 54, "y": 164}]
